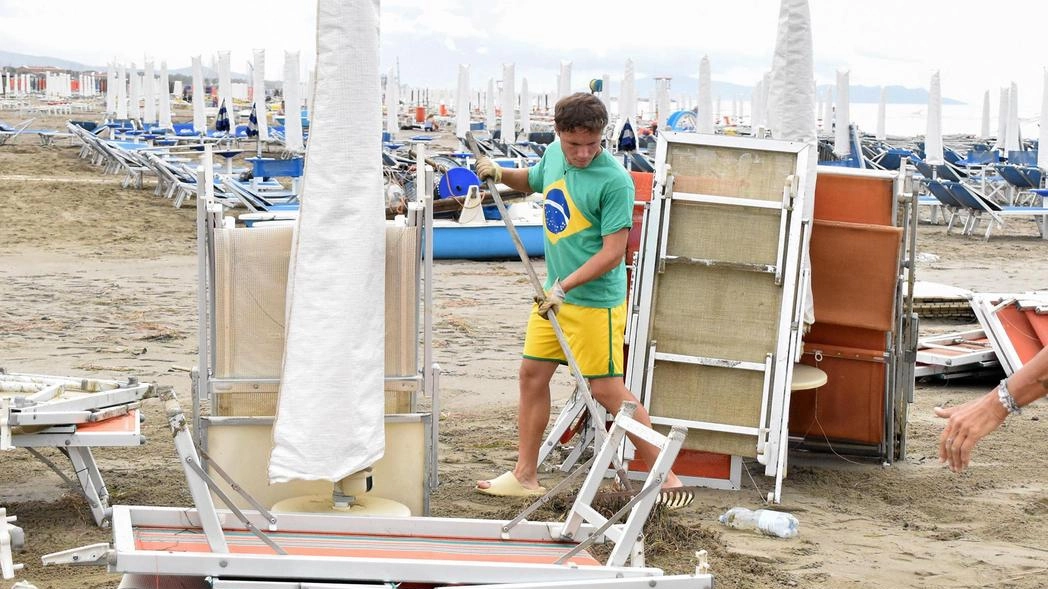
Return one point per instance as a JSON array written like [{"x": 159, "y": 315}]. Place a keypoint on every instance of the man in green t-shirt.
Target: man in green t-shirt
[{"x": 588, "y": 213}]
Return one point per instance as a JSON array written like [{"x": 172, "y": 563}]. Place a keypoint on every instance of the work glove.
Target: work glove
[
  {"x": 488, "y": 169},
  {"x": 551, "y": 299}
]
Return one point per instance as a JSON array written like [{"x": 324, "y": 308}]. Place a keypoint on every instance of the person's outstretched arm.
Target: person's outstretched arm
[{"x": 968, "y": 423}]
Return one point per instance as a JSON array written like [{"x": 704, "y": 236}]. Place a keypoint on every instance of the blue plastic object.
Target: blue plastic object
[
  {"x": 264, "y": 167},
  {"x": 456, "y": 182}
]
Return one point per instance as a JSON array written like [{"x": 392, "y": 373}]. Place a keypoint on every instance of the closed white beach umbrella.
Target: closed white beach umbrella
[
  {"x": 462, "y": 102},
  {"x": 148, "y": 96},
  {"x": 933, "y": 134},
  {"x": 628, "y": 95},
  {"x": 292, "y": 103},
  {"x": 564, "y": 81},
  {"x": 392, "y": 102},
  {"x": 164, "y": 98},
  {"x": 135, "y": 106},
  {"x": 1042, "y": 136},
  {"x": 490, "y": 116},
  {"x": 984, "y": 126},
  {"x": 842, "y": 118},
  {"x": 1002, "y": 119},
  {"x": 881, "y": 107},
  {"x": 756, "y": 107},
  {"x": 258, "y": 78},
  {"x": 225, "y": 88},
  {"x": 121, "y": 92},
  {"x": 827, "y": 113},
  {"x": 662, "y": 101},
  {"x": 509, "y": 104},
  {"x": 605, "y": 93},
  {"x": 793, "y": 79},
  {"x": 110, "y": 88},
  {"x": 1011, "y": 142},
  {"x": 199, "y": 118},
  {"x": 704, "y": 112},
  {"x": 330, "y": 408},
  {"x": 525, "y": 109}
]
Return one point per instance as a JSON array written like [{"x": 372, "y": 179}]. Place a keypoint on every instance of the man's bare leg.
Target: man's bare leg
[
  {"x": 611, "y": 393},
  {"x": 532, "y": 418}
]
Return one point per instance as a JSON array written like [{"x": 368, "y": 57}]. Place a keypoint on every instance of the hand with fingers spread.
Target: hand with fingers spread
[
  {"x": 966, "y": 425},
  {"x": 486, "y": 169},
  {"x": 551, "y": 299}
]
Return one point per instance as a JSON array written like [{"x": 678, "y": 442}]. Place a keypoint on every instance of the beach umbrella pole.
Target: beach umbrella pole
[{"x": 580, "y": 381}]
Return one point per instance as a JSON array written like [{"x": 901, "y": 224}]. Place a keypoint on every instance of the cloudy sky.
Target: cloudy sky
[{"x": 974, "y": 43}]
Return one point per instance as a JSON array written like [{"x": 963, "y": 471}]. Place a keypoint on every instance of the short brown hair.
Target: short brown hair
[{"x": 580, "y": 111}]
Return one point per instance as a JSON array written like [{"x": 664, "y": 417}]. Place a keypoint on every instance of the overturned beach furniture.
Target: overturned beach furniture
[
  {"x": 207, "y": 547},
  {"x": 956, "y": 355},
  {"x": 717, "y": 297},
  {"x": 865, "y": 333},
  {"x": 1016, "y": 325},
  {"x": 243, "y": 275},
  {"x": 72, "y": 415}
]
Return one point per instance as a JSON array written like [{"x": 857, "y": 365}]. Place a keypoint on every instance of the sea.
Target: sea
[{"x": 911, "y": 120}]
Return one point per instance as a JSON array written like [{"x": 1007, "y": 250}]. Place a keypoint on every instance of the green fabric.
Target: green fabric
[{"x": 582, "y": 206}]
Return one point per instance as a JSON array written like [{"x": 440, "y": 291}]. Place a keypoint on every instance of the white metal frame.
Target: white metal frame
[
  {"x": 771, "y": 432},
  {"x": 11, "y": 540},
  {"x": 210, "y": 216},
  {"x": 64, "y": 420},
  {"x": 582, "y": 526}
]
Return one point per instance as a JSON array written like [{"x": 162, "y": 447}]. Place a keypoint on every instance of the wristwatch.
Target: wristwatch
[{"x": 1006, "y": 399}]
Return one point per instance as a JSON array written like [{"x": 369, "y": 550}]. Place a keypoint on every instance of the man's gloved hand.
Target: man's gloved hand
[
  {"x": 488, "y": 169},
  {"x": 551, "y": 300}
]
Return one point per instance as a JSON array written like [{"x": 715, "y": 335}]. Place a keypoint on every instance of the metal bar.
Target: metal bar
[
  {"x": 764, "y": 268},
  {"x": 707, "y": 361},
  {"x": 727, "y": 200}
]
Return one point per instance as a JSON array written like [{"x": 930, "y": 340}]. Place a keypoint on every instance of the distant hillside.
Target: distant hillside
[{"x": 9, "y": 59}]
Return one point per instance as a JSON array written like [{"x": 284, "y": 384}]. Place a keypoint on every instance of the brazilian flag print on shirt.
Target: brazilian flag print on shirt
[{"x": 582, "y": 205}]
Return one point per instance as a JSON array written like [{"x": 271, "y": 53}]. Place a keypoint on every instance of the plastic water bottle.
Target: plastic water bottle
[{"x": 766, "y": 521}]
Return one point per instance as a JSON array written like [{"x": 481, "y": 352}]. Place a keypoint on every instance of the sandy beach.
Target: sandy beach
[{"x": 100, "y": 281}]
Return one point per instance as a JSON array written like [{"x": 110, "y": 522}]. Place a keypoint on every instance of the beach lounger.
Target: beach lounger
[
  {"x": 721, "y": 233},
  {"x": 72, "y": 415},
  {"x": 1016, "y": 325},
  {"x": 978, "y": 205},
  {"x": 8, "y": 133},
  {"x": 256, "y": 549}
]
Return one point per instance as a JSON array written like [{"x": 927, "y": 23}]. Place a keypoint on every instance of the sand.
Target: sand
[{"x": 99, "y": 280}]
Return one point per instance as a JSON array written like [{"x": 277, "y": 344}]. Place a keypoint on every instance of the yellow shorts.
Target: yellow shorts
[{"x": 595, "y": 335}]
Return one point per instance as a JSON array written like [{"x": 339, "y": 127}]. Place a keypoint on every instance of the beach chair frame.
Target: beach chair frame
[
  {"x": 99, "y": 413},
  {"x": 697, "y": 194},
  {"x": 259, "y": 549}
]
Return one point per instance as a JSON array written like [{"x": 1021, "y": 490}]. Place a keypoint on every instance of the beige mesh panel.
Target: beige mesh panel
[
  {"x": 717, "y": 311},
  {"x": 251, "y": 268},
  {"x": 729, "y": 171},
  {"x": 711, "y": 232},
  {"x": 706, "y": 393}
]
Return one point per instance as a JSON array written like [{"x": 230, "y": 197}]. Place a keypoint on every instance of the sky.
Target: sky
[{"x": 976, "y": 45}]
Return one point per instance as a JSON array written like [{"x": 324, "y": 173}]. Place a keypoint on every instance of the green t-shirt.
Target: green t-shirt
[{"x": 582, "y": 206}]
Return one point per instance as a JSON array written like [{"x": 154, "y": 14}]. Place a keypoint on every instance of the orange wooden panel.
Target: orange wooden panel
[
  {"x": 843, "y": 335},
  {"x": 853, "y": 199},
  {"x": 693, "y": 463},
  {"x": 1039, "y": 323},
  {"x": 642, "y": 185},
  {"x": 120, "y": 423},
  {"x": 854, "y": 272},
  {"x": 373, "y": 546},
  {"x": 1022, "y": 335},
  {"x": 848, "y": 408}
]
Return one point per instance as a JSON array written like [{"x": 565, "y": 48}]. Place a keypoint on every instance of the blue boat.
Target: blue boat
[{"x": 489, "y": 240}]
